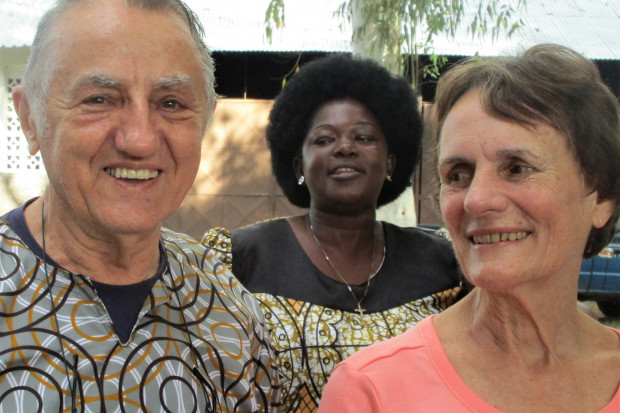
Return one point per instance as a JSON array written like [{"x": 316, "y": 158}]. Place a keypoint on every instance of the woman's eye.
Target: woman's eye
[
  {"x": 520, "y": 169},
  {"x": 323, "y": 140},
  {"x": 457, "y": 178},
  {"x": 365, "y": 138}
]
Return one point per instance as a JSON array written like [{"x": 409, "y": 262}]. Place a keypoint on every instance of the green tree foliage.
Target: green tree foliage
[{"x": 397, "y": 32}]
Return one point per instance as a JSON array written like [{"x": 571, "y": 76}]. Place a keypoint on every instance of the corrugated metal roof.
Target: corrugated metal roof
[{"x": 591, "y": 27}]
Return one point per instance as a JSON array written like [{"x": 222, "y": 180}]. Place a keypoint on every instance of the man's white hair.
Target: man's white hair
[{"x": 40, "y": 68}]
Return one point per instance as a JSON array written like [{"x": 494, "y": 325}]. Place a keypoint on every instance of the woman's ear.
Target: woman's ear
[
  {"x": 26, "y": 119},
  {"x": 602, "y": 212},
  {"x": 298, "y": 167},
  {"x": 391, "y": 164}
]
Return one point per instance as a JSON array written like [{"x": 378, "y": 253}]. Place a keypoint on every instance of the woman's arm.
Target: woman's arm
[{"x": 219, "y": 242}]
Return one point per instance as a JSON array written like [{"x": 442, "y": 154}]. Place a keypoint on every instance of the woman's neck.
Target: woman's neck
[
  {"x": 341, "y": 247},
  {"x": 529, "y": 325}
]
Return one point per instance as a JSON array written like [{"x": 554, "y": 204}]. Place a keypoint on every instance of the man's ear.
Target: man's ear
[{"x": 26, "y": 119}]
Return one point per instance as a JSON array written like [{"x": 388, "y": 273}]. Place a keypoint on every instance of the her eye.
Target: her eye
[
  {"x": 520, "y": 169},
  {"x": 365, "y": 138},
  {"x": 458, "y": 176},
  {"x": 323, "y": 140}
]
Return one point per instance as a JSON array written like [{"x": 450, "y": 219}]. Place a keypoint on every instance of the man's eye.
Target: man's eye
[
  {"x": 95, "y": 100},
  {"x": 365, "y": 138},
  {"x": 171, "y": 104}
]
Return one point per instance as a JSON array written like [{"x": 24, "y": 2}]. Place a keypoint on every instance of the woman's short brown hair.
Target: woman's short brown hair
[{"x": 556, "y": 86}]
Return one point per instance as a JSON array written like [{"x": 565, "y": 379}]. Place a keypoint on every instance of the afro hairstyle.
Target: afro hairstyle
[{"x": 390, "y": 98}]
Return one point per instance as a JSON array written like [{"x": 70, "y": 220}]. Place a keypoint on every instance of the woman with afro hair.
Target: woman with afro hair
[{"x": 344, "y": 136}]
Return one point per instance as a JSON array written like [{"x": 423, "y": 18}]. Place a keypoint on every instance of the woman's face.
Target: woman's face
[
  {"x": 513, "y": 198},
  {"x": 345, "y": 157}
]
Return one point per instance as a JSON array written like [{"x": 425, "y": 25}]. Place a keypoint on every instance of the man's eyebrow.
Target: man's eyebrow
[
  {"x": 96, "y": 79},
  {"x": 175, "y": 82},
  {"x": 102, "y": 80}
]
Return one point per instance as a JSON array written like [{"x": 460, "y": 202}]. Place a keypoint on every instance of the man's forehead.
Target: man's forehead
[{"x": 89, "y": 15}]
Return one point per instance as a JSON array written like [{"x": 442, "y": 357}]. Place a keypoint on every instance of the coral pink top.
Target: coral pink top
[{"x": 408, "y": 373}]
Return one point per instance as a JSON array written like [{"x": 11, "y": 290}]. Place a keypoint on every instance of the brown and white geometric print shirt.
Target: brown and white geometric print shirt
[{"x": 229, "y": 366}]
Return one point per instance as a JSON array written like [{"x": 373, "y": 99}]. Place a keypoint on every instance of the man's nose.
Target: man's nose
[{"x": 137, "y": 134}]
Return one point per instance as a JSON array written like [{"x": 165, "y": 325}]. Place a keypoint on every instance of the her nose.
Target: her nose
[
  {"x": 137, "y": 135},
  {"x": 345, "y": 146},
  {"x": 485, "y": 194}
]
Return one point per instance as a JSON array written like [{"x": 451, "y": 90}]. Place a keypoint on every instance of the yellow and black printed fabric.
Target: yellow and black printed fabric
[
  {"x": 311, "y": 317},
  {"x": 199, "y": 343}
]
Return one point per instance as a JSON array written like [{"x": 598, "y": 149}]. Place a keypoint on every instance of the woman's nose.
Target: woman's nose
[
  {"x": 485, "y": 194},
  {"x": 345, "y": 146}
]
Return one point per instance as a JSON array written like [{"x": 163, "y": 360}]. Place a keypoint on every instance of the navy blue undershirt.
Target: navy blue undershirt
[{"x": 123, "y": 302}]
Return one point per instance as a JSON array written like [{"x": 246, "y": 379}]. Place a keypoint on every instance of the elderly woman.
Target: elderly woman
[
  {"x": 344, "y": 136},
  {"x": 527, "y": 152}
]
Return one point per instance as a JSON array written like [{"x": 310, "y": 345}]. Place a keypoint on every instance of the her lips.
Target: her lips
[{"x": 343, "y": 170}]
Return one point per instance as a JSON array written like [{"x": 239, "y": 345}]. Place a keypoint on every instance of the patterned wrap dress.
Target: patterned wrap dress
[{"x": 311, "y": 317}]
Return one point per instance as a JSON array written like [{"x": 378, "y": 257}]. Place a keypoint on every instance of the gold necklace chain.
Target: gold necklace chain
[{"x": 359, "y": 309}]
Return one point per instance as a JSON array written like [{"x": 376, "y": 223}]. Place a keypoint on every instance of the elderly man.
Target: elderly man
[{"x": 102, "y": 309}]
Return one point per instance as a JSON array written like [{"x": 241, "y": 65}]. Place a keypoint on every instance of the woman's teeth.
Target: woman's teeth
[{"x": 498, "y": 237}]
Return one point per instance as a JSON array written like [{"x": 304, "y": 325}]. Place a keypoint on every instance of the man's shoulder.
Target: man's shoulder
[
  {"x": 170, "y": 236},
  {"x": 188, "y": 251},
  {"x": 12, "y": 232},
  {"x": 184, "y": 252}
]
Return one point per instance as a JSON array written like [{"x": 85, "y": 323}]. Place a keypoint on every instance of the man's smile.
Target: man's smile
[{"x": 132, "y": 173}]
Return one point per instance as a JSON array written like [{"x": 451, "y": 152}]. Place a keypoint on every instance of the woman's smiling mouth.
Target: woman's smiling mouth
[{"x": 499, "y": 237}]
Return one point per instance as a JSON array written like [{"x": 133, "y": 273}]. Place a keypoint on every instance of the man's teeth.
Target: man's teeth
[
  {"x": 339, "y": 170},
  {"x": 499, "y": 237},
  {"x": 132, "y": 173}
]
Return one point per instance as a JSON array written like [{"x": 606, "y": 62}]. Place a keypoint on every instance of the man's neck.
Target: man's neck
[{"x": 106, "y": 258}]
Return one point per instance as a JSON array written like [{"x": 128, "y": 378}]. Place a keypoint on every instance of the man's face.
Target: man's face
[{"x": 126, "y": 114}]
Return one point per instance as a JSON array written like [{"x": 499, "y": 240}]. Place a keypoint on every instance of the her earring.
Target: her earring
[
  {"x": 301, "y": 180},
  {"x": 388, "y": 178}
]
